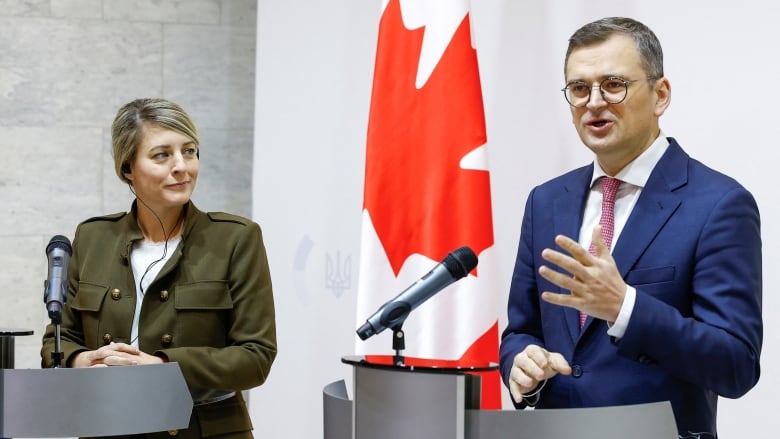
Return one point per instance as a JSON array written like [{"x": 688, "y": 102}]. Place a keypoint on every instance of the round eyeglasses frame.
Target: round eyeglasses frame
[{"x": 607, "y": 95}]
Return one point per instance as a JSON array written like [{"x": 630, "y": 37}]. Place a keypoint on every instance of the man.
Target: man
[{"x": 665, "y": 273}]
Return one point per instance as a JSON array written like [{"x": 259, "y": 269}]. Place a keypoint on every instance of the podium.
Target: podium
[
  {"x": 98, "y": 401},
  {"x": 434, "y": 402}
]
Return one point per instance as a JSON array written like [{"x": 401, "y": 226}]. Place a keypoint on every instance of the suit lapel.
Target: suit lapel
[
  {"x": 655, "y": 205},
  {"x": 568, "y": 220}
]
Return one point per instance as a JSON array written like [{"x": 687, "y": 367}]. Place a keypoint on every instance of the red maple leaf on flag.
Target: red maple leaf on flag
[{"x": 418, "y": 196}]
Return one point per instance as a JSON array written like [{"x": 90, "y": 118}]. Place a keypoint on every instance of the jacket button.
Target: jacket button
[
  {"x": 164, "y": 295},
  {"x": 173, "y": 432},
  {"x": 576, "y": 371},
  {"x": 116, "y": 294},
  {"x": 107, "y": 338},
  {"x": 166, "y": 339}
]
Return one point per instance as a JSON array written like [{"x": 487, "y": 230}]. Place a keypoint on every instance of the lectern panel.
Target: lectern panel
[
  {"x": 391, "y": 404},
  {"x": 643, "y": 421},
  {"x": 100, "y": 401}
]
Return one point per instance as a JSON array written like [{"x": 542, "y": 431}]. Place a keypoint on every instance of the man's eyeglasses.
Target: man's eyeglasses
[{"x": 613, "y": 90}]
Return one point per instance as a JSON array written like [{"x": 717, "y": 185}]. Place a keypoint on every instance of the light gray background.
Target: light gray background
[{"x": 67, "y": 65}]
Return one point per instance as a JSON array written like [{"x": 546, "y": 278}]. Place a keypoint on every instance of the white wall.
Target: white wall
[{"x": 314, "y": 71}]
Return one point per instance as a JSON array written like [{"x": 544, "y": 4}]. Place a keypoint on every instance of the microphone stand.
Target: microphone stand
[
  {"x": 56, "y": 320},
  {"x": 399, "y": 344}
]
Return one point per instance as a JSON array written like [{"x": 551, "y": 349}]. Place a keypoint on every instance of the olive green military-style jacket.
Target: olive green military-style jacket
[{"x": 210, "y": 309}]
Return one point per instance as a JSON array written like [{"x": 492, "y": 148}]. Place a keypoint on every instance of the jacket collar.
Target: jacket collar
[{"x": 132, "y": 232}]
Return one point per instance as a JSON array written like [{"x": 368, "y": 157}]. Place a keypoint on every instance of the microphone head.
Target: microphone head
[
  {"x": 460, "y": 261},
  {"x": 61, "y": 242},
  {"x": 365, "y": 331}
]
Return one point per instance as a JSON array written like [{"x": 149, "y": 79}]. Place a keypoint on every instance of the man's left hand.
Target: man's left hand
[{"x": 596, "y": 286}]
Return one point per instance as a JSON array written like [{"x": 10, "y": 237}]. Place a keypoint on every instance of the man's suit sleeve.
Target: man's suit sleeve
[{"x": 524, "y": 324}]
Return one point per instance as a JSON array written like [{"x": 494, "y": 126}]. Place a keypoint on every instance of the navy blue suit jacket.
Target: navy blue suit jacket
[{"x": 692, "y": 249}]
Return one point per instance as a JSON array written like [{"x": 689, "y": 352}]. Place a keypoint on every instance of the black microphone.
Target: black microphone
[
  {"x": 456, "y": 265},
  {"x": 55, "y": 286}
]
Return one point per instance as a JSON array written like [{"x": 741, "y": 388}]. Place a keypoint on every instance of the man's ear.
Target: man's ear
[{"x": 663, "y": 93}]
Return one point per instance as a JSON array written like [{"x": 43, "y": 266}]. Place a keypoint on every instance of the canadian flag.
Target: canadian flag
[{"x": 427, "y": 187}]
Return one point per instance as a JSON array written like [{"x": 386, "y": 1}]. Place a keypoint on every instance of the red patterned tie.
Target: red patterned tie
[{"x": 609, "y": 187}]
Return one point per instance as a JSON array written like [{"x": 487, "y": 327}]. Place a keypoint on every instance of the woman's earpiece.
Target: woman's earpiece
[{"x": 126, "y": 168}]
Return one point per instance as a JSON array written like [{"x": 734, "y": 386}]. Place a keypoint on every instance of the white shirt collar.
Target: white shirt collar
[{"x": 638, "y": 171}]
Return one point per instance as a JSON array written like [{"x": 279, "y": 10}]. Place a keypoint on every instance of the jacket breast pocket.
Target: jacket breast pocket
[
  {"x": 202, "y": 313},
  {"x": 87, "y": 303},
  {"x": 649, "y": 276}
]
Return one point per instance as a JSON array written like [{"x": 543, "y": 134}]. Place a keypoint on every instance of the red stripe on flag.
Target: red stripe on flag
[{"x": 486, "y": 347}]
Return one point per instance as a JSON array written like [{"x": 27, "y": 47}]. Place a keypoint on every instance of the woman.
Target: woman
[{"x": 167, "y": 282}]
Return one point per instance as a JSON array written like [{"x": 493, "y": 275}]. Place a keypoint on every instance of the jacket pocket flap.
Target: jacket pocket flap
[
  {"x": 90, "y": 297},
  {"x": 203, "y": 295},
  {"x": 648, "y": 276}
]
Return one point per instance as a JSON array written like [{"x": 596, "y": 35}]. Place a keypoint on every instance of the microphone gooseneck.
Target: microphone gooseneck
[{"x": 455, "y": 266}]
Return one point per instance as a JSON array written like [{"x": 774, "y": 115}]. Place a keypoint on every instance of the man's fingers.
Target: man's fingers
[
  {"x": 563, "y": 280},
  {"x": 520, "y": 382},
  {"x": 536, "y": 354},
  {"x": 539, "y": 364},
  {"x": 521, "y": 379},
  {"x": 531, "y": 366},
  {"x": 574, "y": 248},
  {"x": 574, "y": 267},
  {"x": 561, "y": 299},
  {"x": 597, "y": 240},
  {"x": 516, "y": 392},
  {"x": 528, "y": 367},
  {"x": 559, "y": 364}
]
